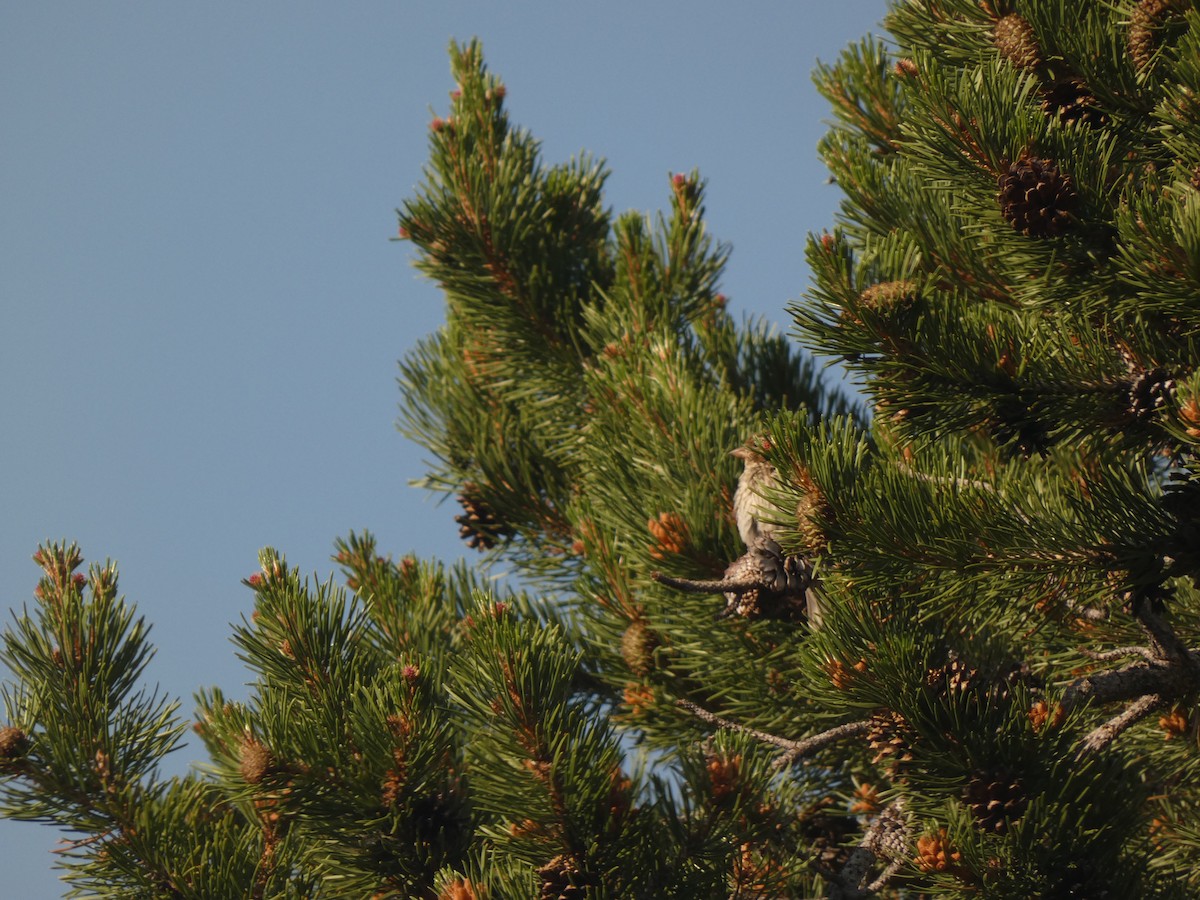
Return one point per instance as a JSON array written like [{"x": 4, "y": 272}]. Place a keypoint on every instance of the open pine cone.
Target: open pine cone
[
  {"x": 1035, "y": 197},
  {"x": 995, "y": 798}
]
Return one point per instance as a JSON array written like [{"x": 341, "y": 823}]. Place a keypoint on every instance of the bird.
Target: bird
[
  {"x": 753, "y": 512},
  {"x": 749, "y": 500}
]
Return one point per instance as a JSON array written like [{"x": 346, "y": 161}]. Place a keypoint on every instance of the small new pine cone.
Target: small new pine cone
[
  {"x": 478, "y": 525},
  {"x": 459, "y": 889},
  {"x": 670, "y": 535},
  {"x": 1149, "y": 391},
  {"x": 996, "y": 799},
  {"x": 1016, "y": 42},
  {"x": 1174, "y": 724},
  {"x": 866, "y": 800},
  {"x": 1041, "y": 713},
  {"x": 1036, "y": 198},
  {"x": 888, "y": 294},
  {"x": 934, "y": 853},
  {"x": 724, "y": 776},
  {"x": 637, "y": 647},
  {"x": 13, "y": 744},
  {"x": 1189, "y": 414},
  {"x": 255, "y": 761}
]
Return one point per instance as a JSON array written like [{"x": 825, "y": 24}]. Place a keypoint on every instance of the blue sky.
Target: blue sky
[{"x": 201, "y": 305}]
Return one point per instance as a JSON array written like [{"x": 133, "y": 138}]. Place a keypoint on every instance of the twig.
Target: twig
[
  {"x": 906, "y": 469},
  {"x": 1163, "y": 641},
  {"x": 795, "y": 749},
  {"x": 885, "y": 876},
  {"x": 1118, "y": 653},
  {"x": 820, "y": 741},
  {"x": 958, "y": 482},
  {"x": 706, "y": 587},
  {"x": 1100, "y": 737}
]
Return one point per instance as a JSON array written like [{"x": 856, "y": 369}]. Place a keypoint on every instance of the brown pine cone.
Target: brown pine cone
[
  {"x": 995, "y": 798},
  {"x": 782, "y": 584},
  {"x": 1035, "y": 198}
]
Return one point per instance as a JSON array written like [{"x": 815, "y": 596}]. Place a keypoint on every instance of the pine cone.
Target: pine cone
[
  {"x": 827, "y": 832},
  {"x": 562, "y": 880},
  {"x": 1144, "y": 24},
  {"x": 781, "y": 584},
  {"x": 1149, "y": 392},
  {"x": 956, "y": 677},
  {"x": 637, "y": 647},
  {"x": 1016, "y": 42},
  {"x": 1070, "y": 101},
  {"x": 890, "y": 737},
  {"x": 255, "y": 761},
  {"x": 891, "y": 835},
  {"x": 995, "y": 798},
  {"x": 1035, "y": 198},
  {"x": 14, "y": 743},
  {"x": 478, "y": 524}
]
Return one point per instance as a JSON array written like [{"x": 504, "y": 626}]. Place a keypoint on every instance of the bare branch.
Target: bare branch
[
  {"x": 1118, "y": 653},
  {"x": 795, "y": 749},
  {"x": 1105, "y": 734},
  {"x": 820, "y": 741},
  {"x": 960, "y": 483},
  {"x": 1135, "y": 680},
  {"x": 710, "y": 586}
]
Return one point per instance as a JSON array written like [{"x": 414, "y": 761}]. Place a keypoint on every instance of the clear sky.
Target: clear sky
[{"x": 201, "y": 308}]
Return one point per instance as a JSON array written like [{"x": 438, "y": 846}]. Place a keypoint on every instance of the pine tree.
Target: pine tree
[{"x": 944, "y": 649}]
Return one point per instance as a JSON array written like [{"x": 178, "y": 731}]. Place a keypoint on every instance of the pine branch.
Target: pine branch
[
  {"x": 794, "y": 749},
  {"x": 709, "y": 586},
  {"x": 1135, "y": 680},
  {"x": 1100, "y": 737},
  {"x": 1118, "y": 653}
]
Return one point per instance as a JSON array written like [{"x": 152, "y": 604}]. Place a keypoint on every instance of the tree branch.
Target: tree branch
[
  {"x": 1135, "y": 680},
  {"x": 1164, "y": 643},
  {"x": 710, "y": 586},
  {"x": 1118, "y": 653},
  {"x": 1105, "y": 734},
  {"x": 794, "y": 749}
]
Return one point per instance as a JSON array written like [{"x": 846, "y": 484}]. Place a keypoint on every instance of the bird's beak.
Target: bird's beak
[{"x": 740, "y": 453}]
